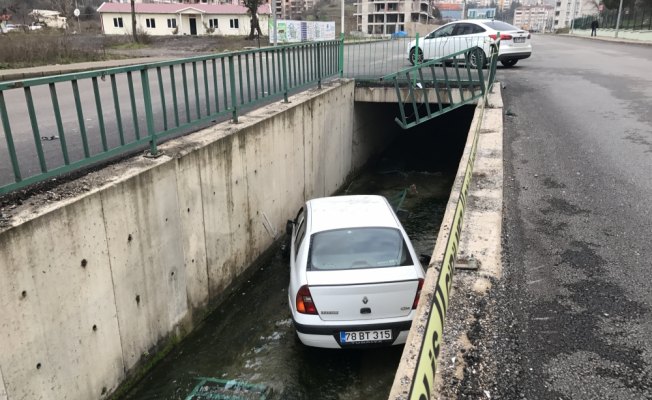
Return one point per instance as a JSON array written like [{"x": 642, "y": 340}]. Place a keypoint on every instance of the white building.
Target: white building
[
  {"x": 181, "y": 19},
  {"x": 565, "y": 12},
  {"x": 389, "y": 16},
  {"x": 533, "y": 18}
]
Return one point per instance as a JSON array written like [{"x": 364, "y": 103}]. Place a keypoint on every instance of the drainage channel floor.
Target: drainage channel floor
[{"x": 247, "y": 348}]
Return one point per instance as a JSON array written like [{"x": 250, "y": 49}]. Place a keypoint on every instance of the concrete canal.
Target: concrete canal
[{"x": 250, "y": 337}]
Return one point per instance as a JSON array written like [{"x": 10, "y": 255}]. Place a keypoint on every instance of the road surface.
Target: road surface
[{"x": 572, "y": 317}]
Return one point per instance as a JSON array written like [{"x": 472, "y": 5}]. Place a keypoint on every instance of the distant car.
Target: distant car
[
  {"x": 355, "y": 279},
  {"x": 35, "y": 26},
  {"x": 473, "y": 33},
  {"x": 11, "y": 27},
  {"x": 399, "y": 34}
]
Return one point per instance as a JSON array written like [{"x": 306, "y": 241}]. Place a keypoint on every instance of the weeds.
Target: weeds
[{"x": 20, "y": 49}]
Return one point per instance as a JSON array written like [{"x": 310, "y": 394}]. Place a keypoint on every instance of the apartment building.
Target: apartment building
[
  {"x": 537, "y": 18},
  {"x": 565, "y": 12},
  {"x": 384, "y": 17}
]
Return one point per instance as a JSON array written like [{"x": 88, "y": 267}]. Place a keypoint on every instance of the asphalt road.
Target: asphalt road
[{"x": 574, "y": 315}]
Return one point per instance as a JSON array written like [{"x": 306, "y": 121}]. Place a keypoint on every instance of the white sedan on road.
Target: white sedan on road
[
  {"x": 355, "y": 280},
  {"x": 477, "y": 34}
]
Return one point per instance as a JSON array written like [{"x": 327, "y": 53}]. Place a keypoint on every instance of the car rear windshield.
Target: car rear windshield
[
  {"x": 358, "y": 248},
  {"x": 501, "y": 26}
]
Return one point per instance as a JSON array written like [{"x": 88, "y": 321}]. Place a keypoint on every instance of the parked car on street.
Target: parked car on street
[
  {"x": 355, "y": 279},
  {"x": 475, "y": 34}
]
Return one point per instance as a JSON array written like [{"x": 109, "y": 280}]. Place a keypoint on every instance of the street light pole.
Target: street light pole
[
  {"x": 573, "y": 16},
  {"x": 620, "y": 12},
  {"x": 342, "y": 29},
  {"x": 274, "y": 23}
]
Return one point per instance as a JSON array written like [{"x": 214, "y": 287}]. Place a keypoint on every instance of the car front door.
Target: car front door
[{"x": 437, "y": 41}]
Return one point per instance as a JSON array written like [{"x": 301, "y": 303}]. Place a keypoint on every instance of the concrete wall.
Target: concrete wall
[{"x": 92, "y": 286}]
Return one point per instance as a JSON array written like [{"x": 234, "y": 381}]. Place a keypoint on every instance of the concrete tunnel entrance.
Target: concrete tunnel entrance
[{"x": 250, "y": 339}]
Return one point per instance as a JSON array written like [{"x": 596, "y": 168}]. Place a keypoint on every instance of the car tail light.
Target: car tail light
[
  {"x": 305, "y": 305},
  {"x": 415, "y": 303},
  {"x": 502, "y": 36}
]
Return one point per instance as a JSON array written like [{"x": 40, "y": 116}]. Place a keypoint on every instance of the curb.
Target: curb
[{"x": 612, "y": 40}]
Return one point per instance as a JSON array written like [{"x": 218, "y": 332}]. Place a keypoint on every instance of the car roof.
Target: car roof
[{"x": 338, "y": 212}]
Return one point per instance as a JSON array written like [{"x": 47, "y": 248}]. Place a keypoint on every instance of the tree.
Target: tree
[
  {"x": 65, "y": 7},
  {"x": 252, "y": 7},
  {"x": 133, "y": 21}
]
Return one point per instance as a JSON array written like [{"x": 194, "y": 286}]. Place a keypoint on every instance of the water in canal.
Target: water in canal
[{"x": 250, "y": 337}]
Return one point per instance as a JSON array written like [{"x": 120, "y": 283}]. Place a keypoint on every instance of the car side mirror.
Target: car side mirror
[{"x": 289, "y": 226}]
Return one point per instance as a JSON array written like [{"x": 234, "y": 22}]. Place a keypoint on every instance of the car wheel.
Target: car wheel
[
  {"x": 509, "y": 63},
  {"x": 412, "y": 57},
  {"x": 476, "y": 58}
]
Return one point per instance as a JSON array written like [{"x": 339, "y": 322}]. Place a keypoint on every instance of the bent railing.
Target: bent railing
[
  {"x": 437, "y": 86},
  {"x": 56, "y": 125}
]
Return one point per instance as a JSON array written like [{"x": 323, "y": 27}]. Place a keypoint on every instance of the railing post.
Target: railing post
[
  {"x": 416, "y": 57},
  {"x": 318, "y": 66},
  {"x": 416, "y": 51},
  {"x": 284, "y": 65},
  {"x": 233, "y": 94},
  {"x": 341, "y": 60},
  {"x": 149, "y": 114}
]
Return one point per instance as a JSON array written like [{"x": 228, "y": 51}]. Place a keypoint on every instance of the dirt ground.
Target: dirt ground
[{"x": 184, "y": 46}]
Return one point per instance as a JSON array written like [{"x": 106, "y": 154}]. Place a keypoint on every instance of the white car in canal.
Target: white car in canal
[{"x": 355, "y": 279}]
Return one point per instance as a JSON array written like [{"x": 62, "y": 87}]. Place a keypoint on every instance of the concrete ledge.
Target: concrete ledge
[{"x": 388, "y": 95}]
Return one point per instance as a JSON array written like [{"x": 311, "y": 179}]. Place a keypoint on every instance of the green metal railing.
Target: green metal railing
[
  {"x": 111, "y": 112},
  {"x": 447, "y": 82},
  {"x": 57, "y": 125}
]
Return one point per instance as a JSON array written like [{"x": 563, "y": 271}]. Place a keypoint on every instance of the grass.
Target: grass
[{"x": 21, "y": 49}]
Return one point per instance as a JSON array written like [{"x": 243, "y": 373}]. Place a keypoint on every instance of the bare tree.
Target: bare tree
[
  {"x": 133, "y": 21},
  {"x": 65, "y": 7},
  {"x": 252, "y": 6}
]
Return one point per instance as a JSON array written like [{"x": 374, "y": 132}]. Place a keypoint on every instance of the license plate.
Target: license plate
[
  {"x": 519, "y": 40},
  {"x": 366, "y": 336}
]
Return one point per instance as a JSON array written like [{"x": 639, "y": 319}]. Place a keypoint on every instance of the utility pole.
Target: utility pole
[
  {"x": 133, "y": 20},
  {"x": 274, "y": 23},
  {"x": 573, "y": 16},
  {"x": 620, "y": 12},
  {"x": 343, "y": 17}
]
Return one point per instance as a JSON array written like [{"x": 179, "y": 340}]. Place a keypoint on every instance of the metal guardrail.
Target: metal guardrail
[{"x": 164, "y": 98}]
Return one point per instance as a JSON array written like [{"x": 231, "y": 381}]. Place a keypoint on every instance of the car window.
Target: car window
[
  {"x": 301, "y": 232},
  {"x": 358, "y": 248},
  {"x": 444, "y": 31},
  {"x": 501, "y": 26},
  {"x": 477, "y": 28},
  {"x": 463, "y": 29}
]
